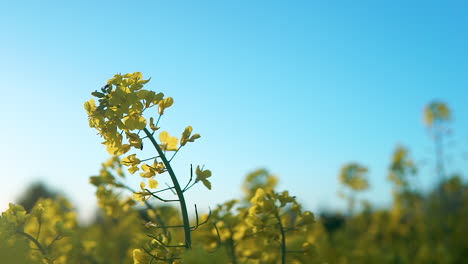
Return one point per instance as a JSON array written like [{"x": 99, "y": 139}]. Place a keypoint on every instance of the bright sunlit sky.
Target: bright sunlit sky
[{"x": 297, "y": 87}]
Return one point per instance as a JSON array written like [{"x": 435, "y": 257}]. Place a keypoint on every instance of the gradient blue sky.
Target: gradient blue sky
[{"x": 297, "y": 87}]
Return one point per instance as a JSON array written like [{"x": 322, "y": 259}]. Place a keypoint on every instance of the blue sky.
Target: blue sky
[{"x": 297, "y": 87}]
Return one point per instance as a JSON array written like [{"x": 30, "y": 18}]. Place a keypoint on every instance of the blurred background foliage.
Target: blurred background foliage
[{"x": 418, "y": 227}]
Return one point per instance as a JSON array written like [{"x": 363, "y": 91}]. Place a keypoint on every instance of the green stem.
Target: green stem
[
  {"x": 38, "y": 245},
  {"x": 180, "y": 194},
  {"x": 232, "y": 247},
  {"x": 39, "y": 220},
  {"x": 283, "y": 239},
  {"x": 439, "y": 156}
]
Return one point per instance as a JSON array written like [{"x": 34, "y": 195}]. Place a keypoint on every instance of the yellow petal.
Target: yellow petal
[{"x": 153, "y": 184}]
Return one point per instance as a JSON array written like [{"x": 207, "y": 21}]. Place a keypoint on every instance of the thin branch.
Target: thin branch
[
  {"x": 191, "y": 175},
  {"x": 193, "y": 184},
  {"x": 196, "y": 214},
  {"x": 173, "y": 155},
  {"x": 171, "y": 188},
  {"x": 158, "y": 258},
  {"x": 153, "y": 257},
  {"x": 149, "y": 158},
  {"x": 190, "y": 180},
  {"x": 164, "y": 226},
  {"x": 202, "y": 223},
  {"x": 163, "y": 190},
  {"x": 57, "y": 237},
  {"x": 192, "y": 228},
  {"x": 36, "y": 242},
  {"x": 161, "y": 199},
  {"x": 157, "y": 122},
  {"x": 133, "y": 191},
  {"x": 217, "y": 233}
]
